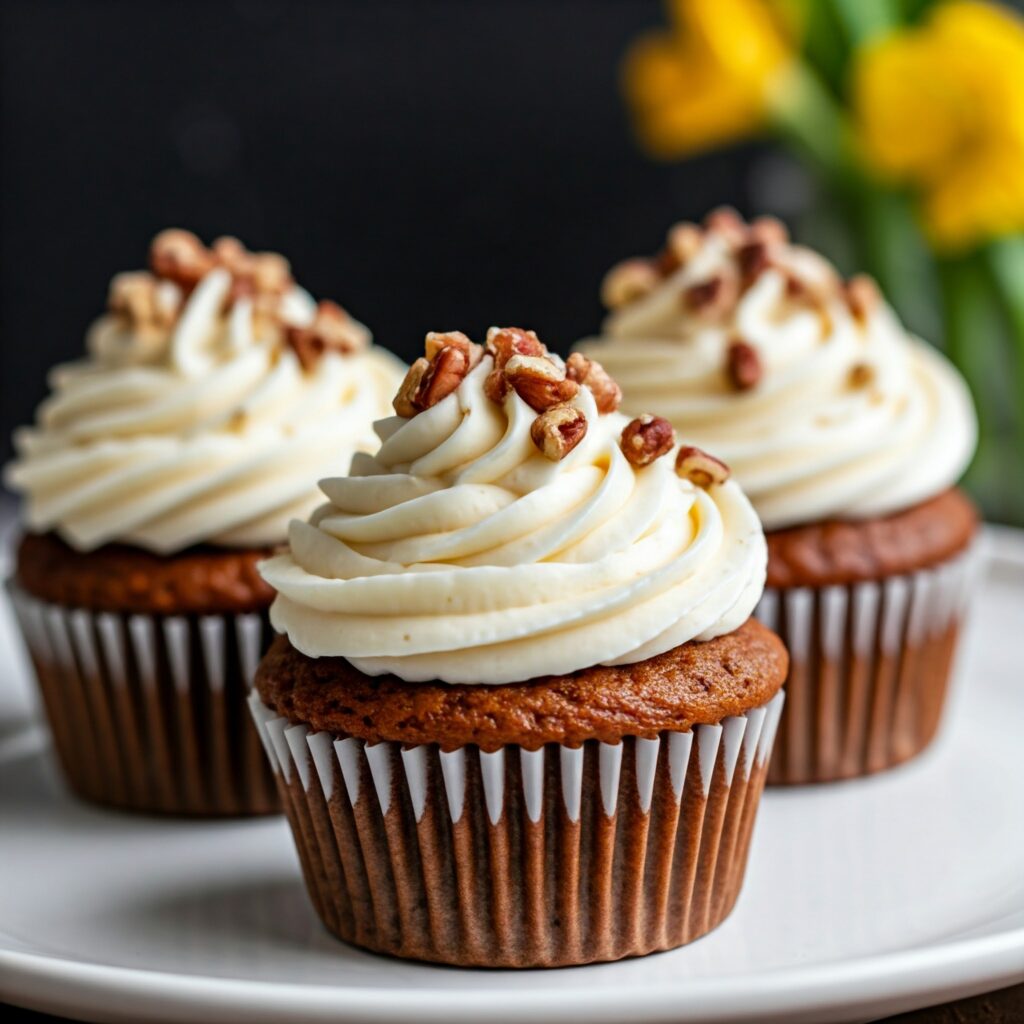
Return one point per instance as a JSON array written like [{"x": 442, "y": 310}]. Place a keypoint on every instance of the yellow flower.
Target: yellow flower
[
  {"x": 706, "y": 80},
  {"x": 941, "y": 107}
]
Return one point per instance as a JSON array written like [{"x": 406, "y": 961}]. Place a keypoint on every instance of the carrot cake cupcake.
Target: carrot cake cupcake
[
  {"x": 519, "y": 712},
  {"x": 849, "y": 436},
  {"x": 163, "y": 466}
]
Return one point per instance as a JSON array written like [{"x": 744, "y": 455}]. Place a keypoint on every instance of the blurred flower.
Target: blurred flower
[
  {"x": 941, "y": 106},
  {"x": 709, "y": 78}
]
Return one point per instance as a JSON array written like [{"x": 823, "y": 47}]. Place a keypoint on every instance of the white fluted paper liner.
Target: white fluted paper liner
[
  {"x": 869, "y": 665},
  {"x": 148, "y": 711},
  {"x": 294, "y": 749},
  {"x": 645, "y": 849}
]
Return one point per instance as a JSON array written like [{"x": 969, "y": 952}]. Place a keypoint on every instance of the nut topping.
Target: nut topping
[
  {"x": 860, "y": 376},
  {"x": 863, "y": 297},
  {"x": 436, "y": 340},
  {"x": 590, "y": 373},
  {"x": 558, "y": 430},
  {"x": 404, "y": 401},
  {"x": 332, "y": 330},
  {"x": 701, "y": 469},
  {"x": 769, "y": 230},
  {"x": 712, "y": 298},
  {"x": 646, "y": 438},
  {"x": 539, "y": 382},
  {"x": 727, "y": 222},
  {"x": 444, "y": 373},
  {"x": 628, "y": 281},
  {"x": 134, "y": 295},
  {"x": 180, "y": 257},
  {"x": 743, "y": 365},
  {"x": 503, "y": 343}
]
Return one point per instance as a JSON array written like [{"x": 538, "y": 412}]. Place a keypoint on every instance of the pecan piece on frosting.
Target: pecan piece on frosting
[
  {"x": 254, "y": 273},
  {"x": 725, "y": 221},
  {"x": 135, "y": 296},
  {"x": 405, "y": 401},
  {"x": 769, "y": 230},
  {"x": 647, "y": 438},
  {"x": 180, "y": 257},
  {"x": 713, "y": 298},
  {"x": 701, "y": 469},
  {"x": 539, "y": 381},
  {"x": 445, "y": 372},
  {"x": 437, "y": 340},
  {"x": 332, "y": 330},
  {"x": 863, "y": 297},
  {"x": 743, "y": 365},
  {"x": 860, "y": 375},
  {"x": 628, "y": 281},
  {"x": 681, "y": 245},
  {"x": 558, "y": 430},
  {"x": 591, "y": 374},
  {"x": 503, "y": 343}
]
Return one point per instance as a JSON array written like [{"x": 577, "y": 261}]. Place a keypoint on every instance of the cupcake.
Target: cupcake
[
  {"x": 519, "y": 714},
  {"x": 848, "y": 435},
  {"x": 161, "y": 469}
]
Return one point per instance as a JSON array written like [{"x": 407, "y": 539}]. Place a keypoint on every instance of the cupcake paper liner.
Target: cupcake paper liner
[
  {"x": 521, "y": 858},
  {"x": 869, "y": 668},
  {"x": 148, "y": 712}
]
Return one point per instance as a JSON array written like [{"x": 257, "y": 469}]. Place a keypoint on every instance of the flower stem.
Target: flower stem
[
  {"x": 975, "y": 335},
  {"x": 807, "y": 116},
  {"x": 863, "y": 19}
]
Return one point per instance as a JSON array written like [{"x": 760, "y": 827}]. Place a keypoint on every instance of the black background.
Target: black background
[{"x": 431, "y": 164}]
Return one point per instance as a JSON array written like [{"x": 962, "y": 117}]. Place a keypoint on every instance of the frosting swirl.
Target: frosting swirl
[
  {"x": 460, "y": 553},
  {"x": 195, "y": 422},
  {"x": 849, "y": 417}
]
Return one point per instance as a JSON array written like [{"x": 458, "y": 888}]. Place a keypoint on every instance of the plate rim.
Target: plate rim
[{"x": 898, "y": 980}]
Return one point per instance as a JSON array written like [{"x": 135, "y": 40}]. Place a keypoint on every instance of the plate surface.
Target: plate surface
[{"x": 862, "y": 899}]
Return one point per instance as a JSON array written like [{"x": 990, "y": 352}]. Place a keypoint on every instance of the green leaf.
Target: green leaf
[{"x": 863, "y": 19}]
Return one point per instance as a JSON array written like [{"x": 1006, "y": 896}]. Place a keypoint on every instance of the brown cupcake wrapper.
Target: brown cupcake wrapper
[
  {"x": 522, "y": 858},
  {"x": 148, "y": 712},
  {"x": 869, "y": 668}
]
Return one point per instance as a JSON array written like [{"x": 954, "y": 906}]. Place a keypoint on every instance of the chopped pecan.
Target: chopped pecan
[
  {"x": 628, "y": 281},
  {"x": 180, "y": 257},
  {"x": 684, "y": 241},
  {"x": 558, "y": 430},
  {"x": 863, "y": 297},
  {"x": 860, "y": 375},
  {"x": 743, "y": 365},
  {"x": 332, "y": 330},
  {"x": 133, "y": 296},
  {"x": 254, "y": 273},
  {"x": 270, "y": 273},
  {"x": 701, "y": 469},
  {"x": 436, "y": 340},
  {"x": 590, "y": 373},
  {"x": 753, "y": 259},
  {"x": 445, "y": 372},
  {"x": 539, "y": 382},
  {"x": 725, "y": 221},
  {"x": 404, "y": 401},
  {"x": 505, "y": 342},
  {"x": 681, "y": 245},
  {"x": 647, "y": 438},
  {"x": 713, "y": 298},
  {"x": 768, "y": 230},
  {"x": 496, "y": 386}
]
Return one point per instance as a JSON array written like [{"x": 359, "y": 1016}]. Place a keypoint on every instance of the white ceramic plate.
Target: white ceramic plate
[{"x": 862, "y": 899}]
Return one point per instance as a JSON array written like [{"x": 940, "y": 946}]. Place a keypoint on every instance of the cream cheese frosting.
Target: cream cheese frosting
[
  {"x": 850, "y": 417},
  {"x": 199, "y": 425},
  {"x": 458, "y": 552}
]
